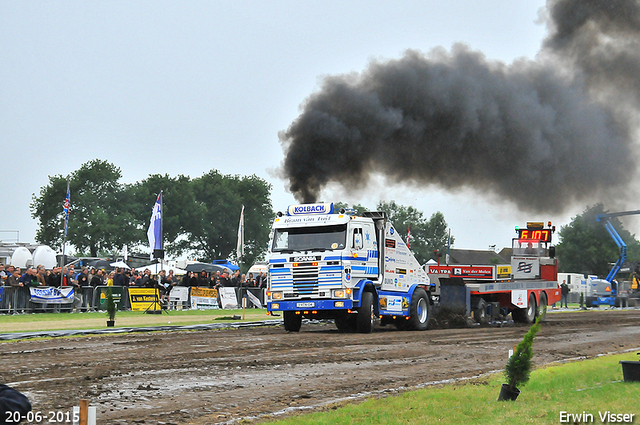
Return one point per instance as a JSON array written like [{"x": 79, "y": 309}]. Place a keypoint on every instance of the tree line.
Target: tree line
[
  {"x": 200, "y": 217},
  {"x": 200, "y": 214}
]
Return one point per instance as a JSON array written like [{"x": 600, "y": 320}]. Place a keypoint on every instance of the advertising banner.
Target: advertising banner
[
  {"x": 254, "y": 300},
  {"x": 204, "y": 298},
  {"x": 116, "y": 292},
  {"x": 525, "y": 267},
  {"x": 228, "y": 298},
  {"x": 144, "y": 299},
  {"x": 467, "y": 272},
  {"x": 179, "y": 294},
  {"x": 51, "y": 295}
]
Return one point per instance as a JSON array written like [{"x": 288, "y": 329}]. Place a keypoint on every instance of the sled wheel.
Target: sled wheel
[
  {"x": 480, "y": 312},
  {"x": 542, "y": 306}
]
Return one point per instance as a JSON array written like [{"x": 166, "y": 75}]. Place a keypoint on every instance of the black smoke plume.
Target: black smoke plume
[{"x": 541, "y": 133}]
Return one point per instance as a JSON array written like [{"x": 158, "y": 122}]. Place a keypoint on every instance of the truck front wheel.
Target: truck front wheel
[
  {"x": 366, "y": 314},
  {"x": 419, "y": 310},
  {"x": 292, "y": 321}
]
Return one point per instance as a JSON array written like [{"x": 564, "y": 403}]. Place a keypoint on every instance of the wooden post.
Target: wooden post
[{"x": 84, "y": 411}]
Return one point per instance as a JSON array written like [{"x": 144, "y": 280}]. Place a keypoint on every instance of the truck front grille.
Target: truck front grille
[{"x": 305, "y": 279}]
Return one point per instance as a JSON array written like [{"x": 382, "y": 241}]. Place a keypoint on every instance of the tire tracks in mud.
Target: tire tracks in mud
[{"x": 223, "y": 375}]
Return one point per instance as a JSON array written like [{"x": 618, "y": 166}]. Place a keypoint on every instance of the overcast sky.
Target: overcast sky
[{"x": 184, "y": 87}]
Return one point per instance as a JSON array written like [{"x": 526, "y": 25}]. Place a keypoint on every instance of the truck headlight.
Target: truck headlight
[
  {"x": 276, "y": 295},
  {"x": 342, "y": 293},
  {"x": 275, "y": 306}
]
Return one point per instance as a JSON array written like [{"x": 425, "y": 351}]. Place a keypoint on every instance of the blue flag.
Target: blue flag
[
  {"x": 154, "y": 234},
  {"x": 65, "y": 209}
]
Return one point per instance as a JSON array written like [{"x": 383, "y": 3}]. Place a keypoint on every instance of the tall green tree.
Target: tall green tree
[
  {"x": 178, "y": 201},
  {"x": 98, "y": 218},
  {"x": 586, "y": 246},
  {"x": 212, "y": 232},
  {"x": 426, "y": 235}
]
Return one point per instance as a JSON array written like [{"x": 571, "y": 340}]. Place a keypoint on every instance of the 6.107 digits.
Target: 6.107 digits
[{"x": 50, "y": 417}]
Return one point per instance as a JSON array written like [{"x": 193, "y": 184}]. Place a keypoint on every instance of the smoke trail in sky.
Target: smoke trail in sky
[{"x": 541, "y": 133}]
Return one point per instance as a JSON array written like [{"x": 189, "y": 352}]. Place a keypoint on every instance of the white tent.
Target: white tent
[
  {"x": 157, "y": 267},
  {"x": 120, "y": 264}
]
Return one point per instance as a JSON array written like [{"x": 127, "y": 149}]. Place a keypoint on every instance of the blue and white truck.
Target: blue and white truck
[{"x": 353, "y": 269}]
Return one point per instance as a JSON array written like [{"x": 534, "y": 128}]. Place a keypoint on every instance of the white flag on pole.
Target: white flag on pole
[
  {"x": 240, "y": 247},
  {"x": 154, "y": 234}
]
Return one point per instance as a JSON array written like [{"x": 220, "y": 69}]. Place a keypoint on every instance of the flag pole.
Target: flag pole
[
  {"x": 448, "y": 247},
  {"x": 160, "y": 260},
  {"x": 240, "y": 245},
  {"x": 67, "y": 205}
]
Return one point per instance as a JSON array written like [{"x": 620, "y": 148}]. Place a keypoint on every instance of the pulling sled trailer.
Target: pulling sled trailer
[{"x": 494, "y": 291}]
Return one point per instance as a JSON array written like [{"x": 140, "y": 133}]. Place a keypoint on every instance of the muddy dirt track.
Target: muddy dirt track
[{"x": 216, "y": 376}]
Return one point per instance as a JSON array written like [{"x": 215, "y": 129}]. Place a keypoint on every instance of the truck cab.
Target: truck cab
[{"x": 330, "y": 264}]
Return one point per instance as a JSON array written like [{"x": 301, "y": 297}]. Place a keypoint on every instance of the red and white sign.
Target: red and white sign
[{"x": 468, "y": 272}]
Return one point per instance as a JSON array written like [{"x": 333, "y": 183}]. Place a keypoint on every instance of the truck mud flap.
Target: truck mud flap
[{"x": 455, "y": 297}]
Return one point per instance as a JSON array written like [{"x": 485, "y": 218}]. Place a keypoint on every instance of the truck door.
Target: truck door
[
  {"x": 371, "y": 248},
  {"x": 358, "y": 253}
]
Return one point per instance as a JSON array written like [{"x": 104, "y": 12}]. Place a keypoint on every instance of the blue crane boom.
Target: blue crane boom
[{"x": 604, "y": 219}]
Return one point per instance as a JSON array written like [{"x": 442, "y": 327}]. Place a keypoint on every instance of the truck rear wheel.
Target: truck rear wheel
[
  {"x": 292, "y": 321},
  {"x": 419, "y": 310},
  {"x": 366, "y": 314},
  {"x": 526, "y": 315}
]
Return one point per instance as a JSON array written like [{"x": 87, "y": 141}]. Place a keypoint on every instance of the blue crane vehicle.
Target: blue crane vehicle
[{"x": 607, "y": 293}]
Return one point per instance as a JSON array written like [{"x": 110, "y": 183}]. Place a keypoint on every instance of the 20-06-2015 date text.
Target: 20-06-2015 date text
[{"x": 37, "y": 417}]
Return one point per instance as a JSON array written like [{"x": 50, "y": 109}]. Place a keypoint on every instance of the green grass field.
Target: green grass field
[
  {"x": 590, "y": 386},
  {"x": 95, "y": 320}
]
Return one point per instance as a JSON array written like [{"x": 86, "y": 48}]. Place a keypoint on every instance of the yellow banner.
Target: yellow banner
[
  {"x": 144, "y": 298},
  {"x": 503, "y": 272},
  {"x": 204, "y": 292}
]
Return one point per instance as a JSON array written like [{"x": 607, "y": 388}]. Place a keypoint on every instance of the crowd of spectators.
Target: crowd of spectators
[
  {"x": 91, "y": 278},
  {"x": 68, "y": 276}
]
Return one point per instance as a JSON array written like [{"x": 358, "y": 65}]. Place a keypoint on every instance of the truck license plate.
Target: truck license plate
[{"x": 305, "y": 305}]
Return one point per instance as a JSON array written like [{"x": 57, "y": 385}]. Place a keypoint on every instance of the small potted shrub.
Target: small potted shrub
[
  {"x": 111, "y": 309},
  {"x": 519, "y": 365}
]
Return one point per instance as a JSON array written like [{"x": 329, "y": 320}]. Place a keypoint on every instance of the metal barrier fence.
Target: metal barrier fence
[{"x": 17, "y": 299}]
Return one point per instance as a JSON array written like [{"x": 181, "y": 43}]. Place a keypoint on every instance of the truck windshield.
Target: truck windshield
[
  {"x": 310, "y": 238},
  {"x": 532, "y": 248}
]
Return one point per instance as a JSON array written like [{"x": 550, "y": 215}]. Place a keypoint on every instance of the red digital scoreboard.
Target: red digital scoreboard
[{"x": 542, "y": 235}]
